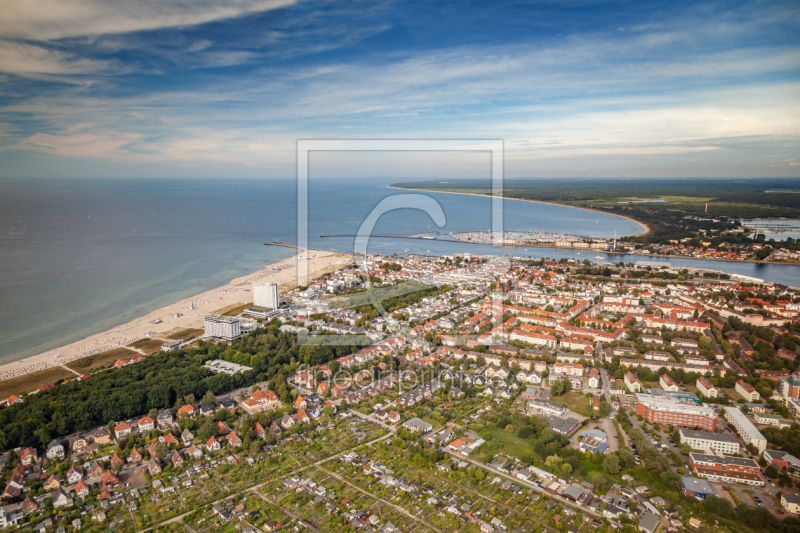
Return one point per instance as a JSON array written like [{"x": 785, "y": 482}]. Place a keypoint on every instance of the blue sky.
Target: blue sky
[{"x": 225, "y": 88}]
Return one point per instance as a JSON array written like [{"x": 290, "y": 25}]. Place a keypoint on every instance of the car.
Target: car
[{"x": 781, "y": 512}]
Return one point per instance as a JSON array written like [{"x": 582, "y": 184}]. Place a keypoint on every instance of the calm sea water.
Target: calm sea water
[{"x": 81, "y": 256}]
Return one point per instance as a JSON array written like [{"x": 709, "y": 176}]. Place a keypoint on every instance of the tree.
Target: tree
[
  {"x": 566, "y": 470},
  {"x": 209, "y": 399},
  {"x": 611, "y": 465},
  {"x": 553, "y": 462},
  {"x": 771, "y": 472},
  {"x": 557, "y": 388},
  {"x": 605, "y": 409},
  {"x": 671, "y": 480},
  {"x": 719, "y": 506},
  {"x": 626, "y": 458},
  {"x": 161, "y": 451}
]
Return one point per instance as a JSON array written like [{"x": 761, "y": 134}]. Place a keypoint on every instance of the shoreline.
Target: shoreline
[
  {"x": 642, "y": 224},
  {"x": 177, "y": 315},
  {"x": 645, "y": 227}
]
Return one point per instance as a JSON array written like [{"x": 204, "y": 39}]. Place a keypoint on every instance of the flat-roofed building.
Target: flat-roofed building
[
  {"x": 745, "y": 429},
  {"x": 789, "y": 387},
  {"x": 171, "y": 346},
  {"x": 706, "y": 388},
  {"x": 782, "y": 461},
  {"x": 678, "y": 396},
  {"x": 726, "y": 469},
  {"x": 771, "y": 420},
  {"x": 671, "y": 411},
  {"x": 791, "y": 502},
  {"x": 222, "y": 327},
  {"x": 266, "y": 295},
  {"x": 706, "y": 440},
  {"x": 747, "y": 391}
]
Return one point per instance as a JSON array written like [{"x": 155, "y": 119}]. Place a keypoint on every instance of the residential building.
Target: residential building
[
  {"x": 667, "y": 383},
  {"x": 745, "y": 429},
  {"x": 222, "y": 327},
  {"x": 789, "y": 387},
  {"x": 418, "y": 425},
  {"x": 266, "y": 295},
  {"x": 632, "y": 382},
  {"x": 122, "y": 430},
  {"x": 706, "y": 388},
  {"x": 746, "y": 391}
]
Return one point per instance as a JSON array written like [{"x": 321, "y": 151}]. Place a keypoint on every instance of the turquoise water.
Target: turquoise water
[{"x": 81, "y": 256}]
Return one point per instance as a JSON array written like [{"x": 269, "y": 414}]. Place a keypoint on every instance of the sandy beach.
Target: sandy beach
[
  {"x": 180, "y": 316},
  {"x": 645, "y": 227}
]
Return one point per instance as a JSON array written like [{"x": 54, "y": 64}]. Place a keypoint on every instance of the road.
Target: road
[
  {"x": 527, "y": 484},
  {"x": 385, "y": 502},
  {"x": 254, "y": 488}
]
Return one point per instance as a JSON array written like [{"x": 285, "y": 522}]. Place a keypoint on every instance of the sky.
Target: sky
[{"x": 225, "y": 88}]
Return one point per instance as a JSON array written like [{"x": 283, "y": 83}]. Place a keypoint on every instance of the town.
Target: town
[{"x": 436, "y": 393}]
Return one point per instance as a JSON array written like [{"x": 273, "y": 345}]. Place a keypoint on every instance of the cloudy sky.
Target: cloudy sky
[{"x": 224, "y": 88}]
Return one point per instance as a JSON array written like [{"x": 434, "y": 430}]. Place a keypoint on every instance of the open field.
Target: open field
[
  {"x": 148, "y": 346},
  {"x": 574, "y": 401},
  {"x": 32, "y": 381},
  {"x": 185, "y": 334},
  {"x": 101, "y": 359},
  {"x": 236, "y": 310},
  {"x": 512, "y": 444}
]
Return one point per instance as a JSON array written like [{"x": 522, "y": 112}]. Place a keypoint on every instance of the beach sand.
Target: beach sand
[{"x": 236, "y": 293}]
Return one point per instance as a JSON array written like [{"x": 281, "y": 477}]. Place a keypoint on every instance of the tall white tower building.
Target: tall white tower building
[{"x": 266, "y": 295}]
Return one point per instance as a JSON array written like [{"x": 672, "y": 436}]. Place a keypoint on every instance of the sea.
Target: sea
[{"x": 80, "y": 256}]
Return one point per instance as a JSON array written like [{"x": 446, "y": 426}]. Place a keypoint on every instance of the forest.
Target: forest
[{"x": 160, "y": 381}]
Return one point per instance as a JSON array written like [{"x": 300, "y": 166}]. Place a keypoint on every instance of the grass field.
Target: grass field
[
  {"x": 101, "y": 359},
  {"x": 148, "y": 346},
  {"x": 32, "y": 381},
  {"x": 574, "y": 401},
  {"x": 238, "y": 309},
  {"x": 512, "y": 445},
  {"x": 185, "y": 334}
]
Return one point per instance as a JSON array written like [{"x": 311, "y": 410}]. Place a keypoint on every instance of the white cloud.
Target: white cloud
[
  {"x": 30, "y": 60},
  {"x": 57, "y": 19}
]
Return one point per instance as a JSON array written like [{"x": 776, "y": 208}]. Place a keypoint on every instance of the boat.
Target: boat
[{"x": 599, "y": 257}]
